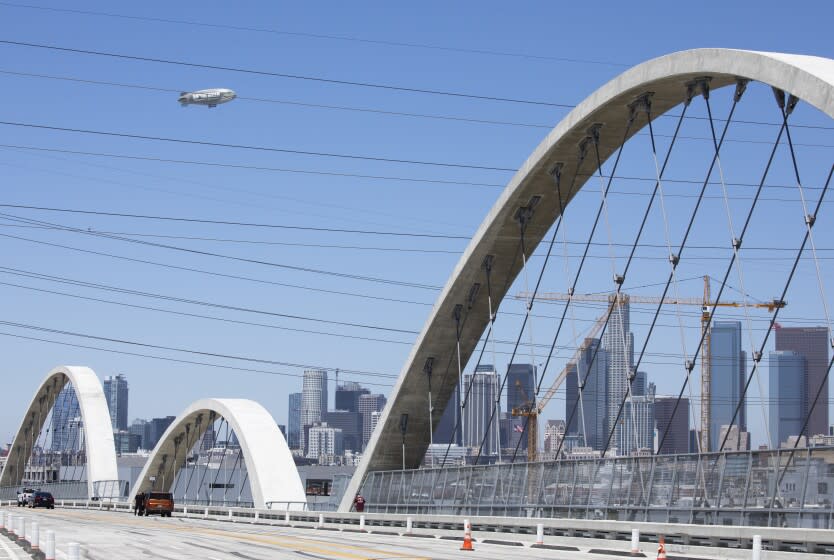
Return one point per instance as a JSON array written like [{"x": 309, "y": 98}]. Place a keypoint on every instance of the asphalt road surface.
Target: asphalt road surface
[{"x": 104, "y": 535}]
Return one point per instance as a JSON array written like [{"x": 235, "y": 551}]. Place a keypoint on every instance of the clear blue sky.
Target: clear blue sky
[{"x": 565, "y": 51}]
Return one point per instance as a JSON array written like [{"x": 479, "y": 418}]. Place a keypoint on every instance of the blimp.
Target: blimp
[{"x": 210, "y": 97}]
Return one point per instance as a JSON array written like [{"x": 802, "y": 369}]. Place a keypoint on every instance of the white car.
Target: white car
[{"x": 23, "y": 496}]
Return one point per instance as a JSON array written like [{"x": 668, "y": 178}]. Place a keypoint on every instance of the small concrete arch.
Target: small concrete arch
[
  {"x": 273, "y": 477},
  {"x": 809, "y": 78},
  {"x": 99, "y": 447}
]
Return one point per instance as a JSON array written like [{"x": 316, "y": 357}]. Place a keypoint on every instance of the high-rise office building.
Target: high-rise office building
[
  {"x": 590, "y": 420},
  {"x": 116, "y": 393},
  {"x": 618, "y": 342},
  {"x": 787, "y": 389},
  {"x": 447, "y": 430},
  {"x": 67, "y": 427},
  {"x": 478, "y": 431},
  {"x": 554, "y": 433},
  {"x": 376, "y": 416},
  {"x": 351, "y": 425},
  {"x": 638, "y": 386},
  {"x": 728, "y": 367},
  {"x": 637, "y": 423},
  {"x": 521, "y": 391},
  {"x": 313, "y": 399},
  {"x": 294, "y": 421},
  {"x": 158, "y": 427},
  {"x": 141, "y": 428},
  {"x": 673, "y": 432},
  {"x": 368, "y": 405},
  {"x": 347, "y": 396},
  {"x": 324, "y": 441},
  {"x": 812, "y": 343},
  {"x": 126, "y": 442},
  {"x": 736, "y": 440}
]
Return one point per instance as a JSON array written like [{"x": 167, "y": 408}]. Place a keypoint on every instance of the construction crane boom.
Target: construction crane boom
[{"x": 532, "y": 409}]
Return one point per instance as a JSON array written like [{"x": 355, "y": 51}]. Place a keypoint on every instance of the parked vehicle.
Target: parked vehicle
[
  {"x": 41, "y": 499},
  {"x": 23, "y": 496},
  {"x": 159, "y": 502}
]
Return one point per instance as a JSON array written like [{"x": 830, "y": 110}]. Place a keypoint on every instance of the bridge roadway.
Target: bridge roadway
[
  {"x": 235, "y": 533},
  {"x": 113, "y": 534}
]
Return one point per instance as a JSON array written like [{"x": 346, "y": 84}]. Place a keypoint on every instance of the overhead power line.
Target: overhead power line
[
  {"x": 188, "y": 219},
  {"x": 318, "y": 79},
  {"x": 252, "y": 167},
  {"x": 251, "y": 147},
  {"x": 369, "y": 110},
  {"x": 233, "y": 223},
  {"x": 175, "y": 299},
  {"x": 295, "y": 268},
  {"x": 170, "y": 359},
  {"x": 190, "y": 351},
  {"x": 310, "y": 35},
  {"x": 350, "y": 83}
]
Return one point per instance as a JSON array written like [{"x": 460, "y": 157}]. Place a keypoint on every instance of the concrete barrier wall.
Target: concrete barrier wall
[{"x": 687, "y": 537}]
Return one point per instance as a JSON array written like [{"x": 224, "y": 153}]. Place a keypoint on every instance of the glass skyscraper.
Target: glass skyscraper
[
  {"x": 812, "y": 343},
  {"x": 728, "y": 367},
  {"x": 313, "y": 399},
  {"x": 480, "y": 404},
  {"x": 590, "y": 421},
  {"x": 294, "y": 421},
  {"x": 116, "y": 393},
  {"x": 787, "y": 392},
  {"x": 618, "y": 342},
  {"x": 521, "y": 390}
]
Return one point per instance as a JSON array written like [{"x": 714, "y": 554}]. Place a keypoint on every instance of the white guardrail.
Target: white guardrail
[{"x": 736, "y": 542}]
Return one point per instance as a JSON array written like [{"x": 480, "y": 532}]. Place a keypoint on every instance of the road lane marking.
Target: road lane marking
[{"x": 288, "y": 542}]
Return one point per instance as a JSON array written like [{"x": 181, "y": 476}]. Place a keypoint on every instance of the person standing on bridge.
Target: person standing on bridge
[
  {"x": 359, "y": 503},
  {"x": 139, "y": 504}
]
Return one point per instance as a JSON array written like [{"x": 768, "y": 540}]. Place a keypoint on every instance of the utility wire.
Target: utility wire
[
  {"x": 348, "y": 108},
  {"x": 188, "y": 219},
  {"x": 235, "y": 223},
  {"x": 317, "y": 79},
  {"x": 251, "y": 147},
  {"x": 374, "y": 177},
  {"x": 334, "y": 81},
  {"x": 229, "y": 257},
  {"x": 88, "y": 336},
  {"x": 310, "y": 35},
  {"x": 253, "y": 167}
]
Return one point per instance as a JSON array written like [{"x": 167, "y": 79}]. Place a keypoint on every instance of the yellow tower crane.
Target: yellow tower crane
[{"x": 532, "y": 409}]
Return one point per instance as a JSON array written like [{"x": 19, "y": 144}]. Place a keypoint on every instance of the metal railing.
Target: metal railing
[
  {"x": 107, "y": 490},
  {"x": 778, "y": 488}
]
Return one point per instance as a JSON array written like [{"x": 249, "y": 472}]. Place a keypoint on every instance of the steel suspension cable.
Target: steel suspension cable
[
  {"x": 594, "y": 137},
  {"x": 525, "y": 214},
  {"x": 740, "y": 273},
  {"x": 480, "y": 355},
  {"x": 823, "y": 384},
  {"x": 703, "y": 86},
  {"x": 810, "y": 220},
  {"x": 689, "y": 366},
  {"x": 222, "y": 459},
  {"x": 234, "y": 467},
  {"x": 211, "y": 421},
  {"x": 197, "y": 424}
]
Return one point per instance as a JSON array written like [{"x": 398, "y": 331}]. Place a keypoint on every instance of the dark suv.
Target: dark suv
[
  {"x": 159, "y": 502},
  {"x": 42, "y": 499}
]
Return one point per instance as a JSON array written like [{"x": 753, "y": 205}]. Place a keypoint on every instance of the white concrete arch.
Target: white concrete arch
[
  {"x": 807, "y": 77},
  {"x": 98, "y": 433},
  {"x": 273, "y": 476}
]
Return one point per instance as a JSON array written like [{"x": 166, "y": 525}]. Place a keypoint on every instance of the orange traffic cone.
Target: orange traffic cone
[
  {"x": 467, "y": 536},
  {"x": 661, "y": 549}
]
